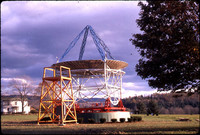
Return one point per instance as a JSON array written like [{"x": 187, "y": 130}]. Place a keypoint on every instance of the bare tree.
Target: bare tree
[
  {"x": 37, "y": 90},
  {"x": 22, "y": 87}
]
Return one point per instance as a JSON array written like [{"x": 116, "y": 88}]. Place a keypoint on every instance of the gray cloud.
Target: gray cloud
[{"x": 34, "y": 33}]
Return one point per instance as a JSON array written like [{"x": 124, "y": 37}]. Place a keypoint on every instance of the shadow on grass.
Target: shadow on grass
[
  {"x": 97, "y": 130},
  {"x": 32, "y": 128},
  {"x": 18, "y": 123},
  {"x": 196, "y": 129}
]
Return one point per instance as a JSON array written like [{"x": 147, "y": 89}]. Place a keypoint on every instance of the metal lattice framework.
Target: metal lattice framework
[
  {"x": 57, "y": 101},
  {"x": 100, "y": 79},
  {"x": 98, "y": 83}
]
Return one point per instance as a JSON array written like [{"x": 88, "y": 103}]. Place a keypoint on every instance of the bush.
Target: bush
[
  {"x": 16, "y": 113},
  {"x": 122, "y": 119},
  {"x": 139, "y": 118},
  {"x": 133, "y": 118},
  {"x": 130, "y": 119},
  {"x": 33, "y": 111},
  {"x": 91, "y": 120},
  {"x": 80, "y": 120},
  {"x": 114, "y": 120},
  {"x": 102, "y": 120},
  {"x": 136, "y": 118}
]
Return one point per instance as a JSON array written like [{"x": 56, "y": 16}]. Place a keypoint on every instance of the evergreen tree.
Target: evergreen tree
[
  {"x": 152, "y": 107},
  {"x": 141, "y": 107},
  {"x": 169, "y": 44}
]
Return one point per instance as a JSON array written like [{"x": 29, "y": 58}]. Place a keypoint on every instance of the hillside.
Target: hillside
[{"x": 167, "y": 103}]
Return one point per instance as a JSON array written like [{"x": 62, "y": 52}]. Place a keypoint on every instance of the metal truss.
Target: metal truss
[
  {"x": 97, "y": 83},
  {"x": 57, "y": 101}
]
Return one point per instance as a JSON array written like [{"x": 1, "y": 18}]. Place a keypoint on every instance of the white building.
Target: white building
[{"x": 13, "y": 105}]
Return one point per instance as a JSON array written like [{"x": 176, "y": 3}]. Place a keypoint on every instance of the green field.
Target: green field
[{"x": 162, "y": 124}]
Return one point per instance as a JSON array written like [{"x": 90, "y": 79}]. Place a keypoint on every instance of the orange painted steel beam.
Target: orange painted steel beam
[{"x": 57, "y": 92}]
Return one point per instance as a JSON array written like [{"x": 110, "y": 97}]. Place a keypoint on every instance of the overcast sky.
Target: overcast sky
[{"x": 33, "y": 34}]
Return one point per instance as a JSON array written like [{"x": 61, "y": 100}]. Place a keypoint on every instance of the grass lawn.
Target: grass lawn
[{"x": 162, "y": 124}]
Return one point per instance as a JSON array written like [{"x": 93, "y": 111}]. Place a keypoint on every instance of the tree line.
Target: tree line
[{"x": 170, "y": 103}]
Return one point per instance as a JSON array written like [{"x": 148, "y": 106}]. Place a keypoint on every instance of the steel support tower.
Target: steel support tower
[{"x": 57, "y": 104}]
